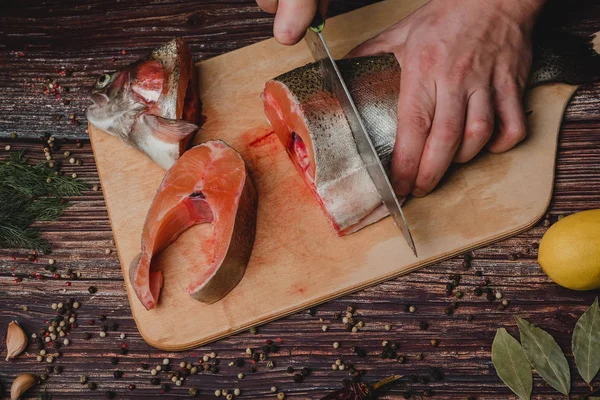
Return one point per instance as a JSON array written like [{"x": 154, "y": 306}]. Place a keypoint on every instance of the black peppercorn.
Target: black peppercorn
[
  {"x": 87, "y": 336},
  {"x": 145, "y": 366},
  {"x": 478, "y": 291},
  {"x": 165, "y": 387},
  {"x": 469, "y": 318},
  {"x": 114, "y": 360},
  {"x": 274, "y": 348},
  {"x": 449, "y": 311},
  {"x": 312, "y": 311},
  {"x": 427, "y": 393},
  {"x": 436, "y": 374},
  {"x": 407, "y": 395},
  {"x": 393, "y": 346},
  {"x": 124, "y": 351},
  {"x": 101, "y": 317},
  {"x": 298, "y": 378},
  {"x": 118, "y": 374},
  {"x": 255, "y": 357},
  {"x": 290, "y": 370},
  {"x": 214, "y": 369},
  {"x": 406, "y": 307},
  {"x": 423, "y": 380},
  {"x": 167, "y": 368},
  {"x": 490, "y": 297},
  {"x": 114, "y": 326},
  {"x": 423, "y": 325},
  {"x": 305, "y": 371},
  {"x": 239, "y": 362},
  {"x": 58, "y": 369},
  {"x": 266, "y": 349},
  {"x": 253, "y": 369},
  {"x": 336, "y": 315},
  {"x": 361, "y": 353},
  {"x": 93, "y": 290},
  {"x": 110, "y": 394},
  {"x": 49, "y": 369},
  {"x": 155, "y": 381},
  {"x": 478, "y": 273},
  {"x": 92, "y": 386}
]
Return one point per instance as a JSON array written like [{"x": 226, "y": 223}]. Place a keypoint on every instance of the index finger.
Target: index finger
[{"x": 292, "y": 19}]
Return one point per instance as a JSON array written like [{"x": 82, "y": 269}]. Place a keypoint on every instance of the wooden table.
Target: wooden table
[{"x": 72, "y": 41}]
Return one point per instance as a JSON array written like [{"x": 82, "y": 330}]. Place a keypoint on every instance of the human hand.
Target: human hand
[
  {"x": 292, "y": 17},
  {"x": 464, "y": 68}
]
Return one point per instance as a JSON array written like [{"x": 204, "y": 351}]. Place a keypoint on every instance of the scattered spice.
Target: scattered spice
[{"x": 92, "y": 386}]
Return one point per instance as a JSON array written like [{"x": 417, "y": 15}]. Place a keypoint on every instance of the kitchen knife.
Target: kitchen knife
[{"x": 320, "y": 52}]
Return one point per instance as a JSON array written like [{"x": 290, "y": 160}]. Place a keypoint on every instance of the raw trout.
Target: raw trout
[
  {"x": 151, "y": 104},
  {"x": 311, "y": 124},
  {"x": 208, "y": 184}
]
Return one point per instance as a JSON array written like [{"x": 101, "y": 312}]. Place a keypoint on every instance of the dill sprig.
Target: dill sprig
[{"x": 30, "y": 193}]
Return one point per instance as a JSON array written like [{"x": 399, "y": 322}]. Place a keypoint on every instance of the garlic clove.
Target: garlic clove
[
  {"x": 16, "y": 340},
  {"x": 21, "y": 384}
]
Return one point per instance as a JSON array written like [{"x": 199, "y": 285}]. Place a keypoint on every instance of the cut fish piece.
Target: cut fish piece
[
  {"x": 208, "y": 184},
  {"x": 311, "y": 125}
]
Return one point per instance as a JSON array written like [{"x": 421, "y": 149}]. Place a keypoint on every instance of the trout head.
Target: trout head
[{"x": 120, "y": 97}]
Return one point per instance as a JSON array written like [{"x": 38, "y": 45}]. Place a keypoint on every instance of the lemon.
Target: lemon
[{"x": 569, "y": 252}]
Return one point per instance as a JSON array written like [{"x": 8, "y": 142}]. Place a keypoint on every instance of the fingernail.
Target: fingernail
[
  {"x": 402, "y": 187},
  {"x": 418, "y": 192}
]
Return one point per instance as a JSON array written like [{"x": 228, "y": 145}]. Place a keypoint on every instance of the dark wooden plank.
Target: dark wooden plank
[{"x": 70, "y": 34}]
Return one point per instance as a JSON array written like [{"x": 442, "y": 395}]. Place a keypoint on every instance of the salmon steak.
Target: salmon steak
[
  {"x": 208, "y": 184},
  {"x": 152, "y": 104},
  {"x": 311, "y": 124}
]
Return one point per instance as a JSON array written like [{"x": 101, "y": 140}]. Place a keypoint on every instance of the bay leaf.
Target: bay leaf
[
  {"x": 511, "y": 364},
  {"x": 545, "y": 355},
  {"x": 586, "y": 342}
]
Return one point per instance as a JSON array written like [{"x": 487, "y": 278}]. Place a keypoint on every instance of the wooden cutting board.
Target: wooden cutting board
[{"x": 298, "y": 261}]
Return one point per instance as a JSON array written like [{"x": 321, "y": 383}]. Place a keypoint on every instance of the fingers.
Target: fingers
[
  {"x": 415, "y": 114},
  {"x": 370, "y": 47},
  {"x": 479, "y": 125},
  {"x": 442, "y": 143},
  {"x": 511, "y": 116},
  {"x": 292, "y": 19},
  {"x": 269, "y": 6}
]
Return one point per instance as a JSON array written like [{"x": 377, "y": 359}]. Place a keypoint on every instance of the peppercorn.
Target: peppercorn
[
  {"x": 407, "y": 395},
  {"x": 214, "y": 369},
  {"x": 87, "y": 336},
  {"x": 193, "y": 391},
  {"x": 290, "y": 370},
  {"x": 145, "y": 366},
  {"x": 420, "y": 356},
  {"x": 449, "y": 311},
  {"x": 101, "y": 317},
  {"x": 490, "y": 297},
  {"x": 92, "y": 386},
  {"x": 165, "y": 387},
  {"x": 501, "y": 307},
  {"x": 58, "y": 369},
  {"x": 426, "y": 393},
  {"x": 406, "y": 307},
  {"x": 83, "y": 379},
  {"x": 118, "y": 374},
  {"x": 434, "y": 342},
  {"x": 124, "y": 351},
  {"x": 49, "y": 369},
  {"x": 469, "y": 318},
  {"x": 273, "y": 348},
  {"x": 423, "y": 380},
  {"x": 478, "y": 291},
  {"x": 114, "y": 326},
  {"x": 471, "y": 398},
  {"x": 266, "y": 349},
  {"x": 423, "y": 325},
  {"x": 155, "y": 381},
  {"x": 305, "y": 371},
  {"x": 312, "y": 311},
  {"x": 114, "y": 360},
  {"x": 93, "y": 290},
  {"x": 131, "y": 387},
  {"x": 298, "y": 378},
  {"x": 110, "y": 394},
  {"x": 436, "y": 374},
  {"x": 255, "y": 357},
  {"x": 280, "y": 396},
  {"x": 478, "y": 273},
  {"x": 401, "y": 359},
  {"x": 253, "y": 369}
]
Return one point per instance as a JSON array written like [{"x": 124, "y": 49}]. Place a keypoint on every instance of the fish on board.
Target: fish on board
[
  {"x": 151, "y": 104},
  {"x": 310, "y": 123},
  {"x": 208, "y": 184}
]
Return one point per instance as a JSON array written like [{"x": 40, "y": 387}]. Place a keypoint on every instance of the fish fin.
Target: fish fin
[
  {"x": 169, "y": 130},
  {"x": 147, "y": 80}
]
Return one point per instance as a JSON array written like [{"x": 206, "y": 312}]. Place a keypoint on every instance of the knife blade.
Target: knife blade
[{"x": 320, "y": 52}]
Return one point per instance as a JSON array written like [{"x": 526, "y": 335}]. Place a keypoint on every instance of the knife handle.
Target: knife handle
[{"x": 318, "y": 22}]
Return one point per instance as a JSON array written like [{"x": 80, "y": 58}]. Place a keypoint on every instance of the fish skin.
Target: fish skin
[
  {"x": 299, "y": 102},
  {"x": 208, "y": 184},
  {"x": 151, "y": 104}
]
